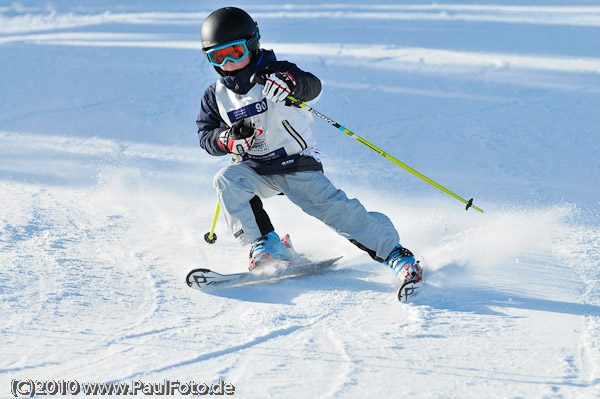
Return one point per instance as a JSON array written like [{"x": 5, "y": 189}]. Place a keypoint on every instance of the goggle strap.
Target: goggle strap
[{"x": 251, "y": 41}]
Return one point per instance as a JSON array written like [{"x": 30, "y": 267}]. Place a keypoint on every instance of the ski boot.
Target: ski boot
[
  {"x": 269, "y": 248},
  {"x": 408, "y": 270}
]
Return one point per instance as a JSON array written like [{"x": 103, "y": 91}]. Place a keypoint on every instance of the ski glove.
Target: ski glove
[
  {"x": 238, "y": 139},
  {"x": 278, "y": 86}
]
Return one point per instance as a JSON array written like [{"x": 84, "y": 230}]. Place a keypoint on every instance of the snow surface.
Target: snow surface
[{"x": 106, "y": 197}]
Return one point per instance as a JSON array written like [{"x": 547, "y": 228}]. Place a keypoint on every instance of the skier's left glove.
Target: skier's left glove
[
  {"x": 278, "y": 86},
  {"x": 238, "y": 139}
]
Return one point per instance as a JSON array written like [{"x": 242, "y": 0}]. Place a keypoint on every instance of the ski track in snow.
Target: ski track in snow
[
  {"x": 97, "y": 233},
  {"x": 450, "y": 315}
]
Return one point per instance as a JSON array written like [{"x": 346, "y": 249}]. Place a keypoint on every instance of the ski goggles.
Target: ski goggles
[{"x": 232, "y": 51}]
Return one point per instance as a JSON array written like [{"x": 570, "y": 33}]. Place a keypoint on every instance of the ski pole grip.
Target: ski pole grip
[{"x": 260, "y": 77}]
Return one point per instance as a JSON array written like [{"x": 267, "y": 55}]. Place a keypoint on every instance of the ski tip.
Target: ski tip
[
  {"x": 192, "y": 276},
  {"x": 408, "y": 289},
  {"x": 198, "y": 270}
]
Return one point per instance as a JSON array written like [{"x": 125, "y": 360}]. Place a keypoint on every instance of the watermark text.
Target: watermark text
[{"x": 31, "y": 388}]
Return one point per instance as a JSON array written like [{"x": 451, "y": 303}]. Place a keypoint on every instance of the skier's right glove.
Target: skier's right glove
[
  {"x": 238, "y": 139},
  {"x": 278, "y": 86}
]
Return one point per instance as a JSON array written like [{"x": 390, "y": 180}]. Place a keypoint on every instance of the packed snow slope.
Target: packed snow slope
[{"x": 106, "y": 197}]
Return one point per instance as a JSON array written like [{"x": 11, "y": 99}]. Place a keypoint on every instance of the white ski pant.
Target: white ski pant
[{"x": 237, "y": 186}]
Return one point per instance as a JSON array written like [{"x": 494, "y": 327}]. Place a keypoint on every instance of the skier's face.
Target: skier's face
[{"x": 231, "y": 66}]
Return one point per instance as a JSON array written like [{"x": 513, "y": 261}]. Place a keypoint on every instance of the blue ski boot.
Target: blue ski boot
[
  {"x": 269, "y": 248},
  {"x": 408, "y": 270},
  {"x": 403, "y": 263}
]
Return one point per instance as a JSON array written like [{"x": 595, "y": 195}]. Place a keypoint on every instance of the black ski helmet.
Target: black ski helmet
[{"x": 228, "y": 24}]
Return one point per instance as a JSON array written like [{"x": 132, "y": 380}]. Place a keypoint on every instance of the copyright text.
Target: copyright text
[{"x": 31, "y": 388}]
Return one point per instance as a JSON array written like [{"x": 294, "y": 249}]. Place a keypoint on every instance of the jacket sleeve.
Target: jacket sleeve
[
  {"x": 308, "y": 86},
  {"x": 210, "y": 124}
]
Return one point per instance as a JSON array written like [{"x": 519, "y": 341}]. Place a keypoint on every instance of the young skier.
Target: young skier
[{"x": 274, "y": 149}]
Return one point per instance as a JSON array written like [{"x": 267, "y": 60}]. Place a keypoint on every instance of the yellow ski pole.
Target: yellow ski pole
[
  {"x": 260, "y": 78},
  {"x": 211, "y": 237}
]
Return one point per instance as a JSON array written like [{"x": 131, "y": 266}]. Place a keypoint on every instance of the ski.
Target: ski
[
  {"x": 410, "y": 288},
  {"x": 206, "y": 279}
]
